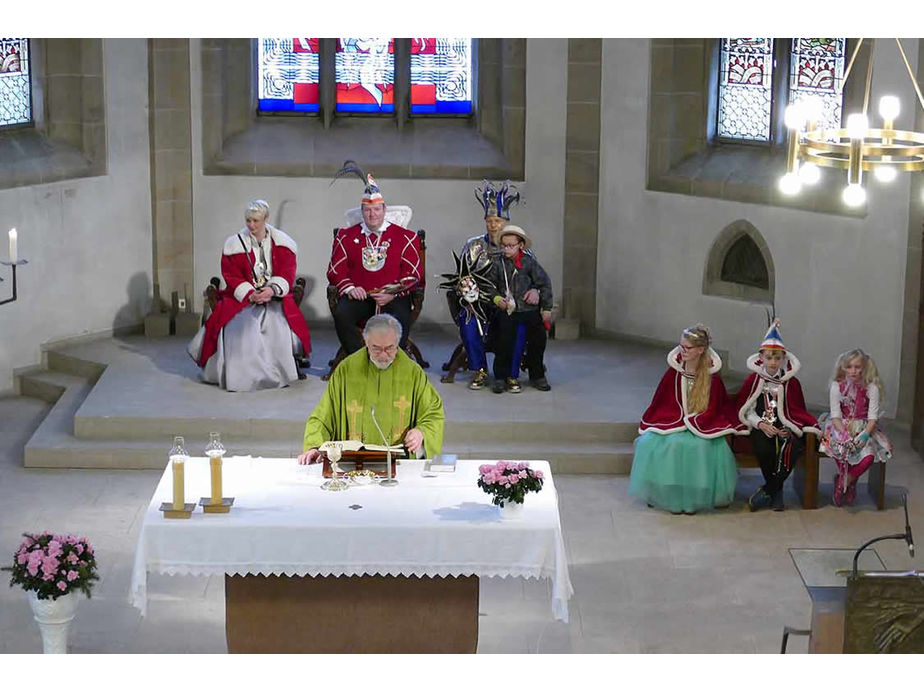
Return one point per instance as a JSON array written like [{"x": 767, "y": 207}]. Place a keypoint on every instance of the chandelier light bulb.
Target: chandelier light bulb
[
  {"x": 854, "y": 195},
  {"x": 857, "y": 125},
  {"x": 809, "y": 173},
  {"x": 794, "y": 116},
  {"x": 885, "y": 174},
  {"x": 814, "y": 108},
  {"x": 790, "y": 184},
  {"x": 889, "y": 107}
]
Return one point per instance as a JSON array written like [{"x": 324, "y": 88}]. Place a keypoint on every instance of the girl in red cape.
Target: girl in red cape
[
  {"x": 771, "y": 405},
  {"x": 251, "y": 339},
  {"x": 682, "y": 462}
]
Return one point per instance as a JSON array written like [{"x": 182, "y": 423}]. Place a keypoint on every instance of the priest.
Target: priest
[{"x": 378, "y": 387}]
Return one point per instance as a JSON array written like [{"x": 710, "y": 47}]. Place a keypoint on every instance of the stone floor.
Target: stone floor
[{"x": 645, "y": 581}]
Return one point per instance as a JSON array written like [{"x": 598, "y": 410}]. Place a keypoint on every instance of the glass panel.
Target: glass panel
[
  {"x": 288, "y": 74},
  {"x": 15, "y": 86},
  {"x": 441, "y": 75},
  {"x": 817, "y": 71},
  {"x": 365, "y": 74},
  {"x": 745, "y": 77}
]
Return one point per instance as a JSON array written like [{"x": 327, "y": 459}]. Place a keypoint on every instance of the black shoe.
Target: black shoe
[
  {"x": 540, "y": 383},
  {"x": 497, "y": 387},
  {"x": 759, "y": 499},
  {"x": 777, "y": 503}
]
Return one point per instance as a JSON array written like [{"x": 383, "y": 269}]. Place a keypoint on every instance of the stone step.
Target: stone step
[
  {"x": 580, "y": 458},
  {"x": 48, "y": 385},
  {"x": 73, "y": 365}
]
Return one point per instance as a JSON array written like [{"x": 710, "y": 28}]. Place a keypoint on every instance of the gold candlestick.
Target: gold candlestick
[
  {"x": 179, "y": 508},
  {"x": 216, "y": 504}
]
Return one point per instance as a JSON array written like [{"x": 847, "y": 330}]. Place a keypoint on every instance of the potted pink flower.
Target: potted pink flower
[
  {"x": 508, "y": 482},
  {"x": 54, "y": 569}
]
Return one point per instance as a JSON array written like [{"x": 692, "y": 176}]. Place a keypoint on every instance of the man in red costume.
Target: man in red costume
[
  {"x": 374, "y": 265},
  {"x": 250, "y": 339}
]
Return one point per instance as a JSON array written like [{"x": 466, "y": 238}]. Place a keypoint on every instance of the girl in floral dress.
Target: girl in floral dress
[{"x": 851, "y": 432}]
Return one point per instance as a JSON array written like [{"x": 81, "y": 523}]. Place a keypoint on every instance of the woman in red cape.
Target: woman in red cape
[
  {"x": 682, "y": 462},
  {"x": 251, "y": 339}
]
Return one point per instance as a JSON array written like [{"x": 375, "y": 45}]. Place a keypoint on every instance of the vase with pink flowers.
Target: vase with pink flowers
[
  {"x": 54, "y": 569},
  {"x": 508, "y": 482}
]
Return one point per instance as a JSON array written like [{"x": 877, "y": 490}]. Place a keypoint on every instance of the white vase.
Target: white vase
[
  {"x": 511, "y": 511},
  {"x": 54, "y": 616}
]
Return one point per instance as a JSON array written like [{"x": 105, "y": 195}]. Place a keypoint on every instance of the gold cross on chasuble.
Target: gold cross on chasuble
[{"x": 353, "y": 409}]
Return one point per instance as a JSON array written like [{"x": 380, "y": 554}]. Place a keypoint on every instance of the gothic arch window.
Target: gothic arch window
[
  {"x": 15, "y": 83},
  {"x": 739, "y": 265},
  {"x": 759, "y": 77},
  {"x": 365, "y": 76}
]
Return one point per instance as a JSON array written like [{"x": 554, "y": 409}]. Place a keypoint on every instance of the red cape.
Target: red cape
[
  {"x": 791, "y": 407},
  {"x": 237, "y": 272},
  {"x": 666, "y": 414}
]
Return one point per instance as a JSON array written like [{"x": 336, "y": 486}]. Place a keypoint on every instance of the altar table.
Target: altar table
[{"x": 383, "y": 569}]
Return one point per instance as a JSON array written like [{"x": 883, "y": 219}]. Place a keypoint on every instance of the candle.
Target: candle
[
  {"x": 179, "y": 493},
  {"x": 13, "y": 254},
  {"x": 215, "y": 467}
]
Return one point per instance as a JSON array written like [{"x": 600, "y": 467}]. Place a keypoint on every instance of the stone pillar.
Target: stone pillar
[
  {"x": 171, "y": 187},
  {"x": 582, "y": 181}
]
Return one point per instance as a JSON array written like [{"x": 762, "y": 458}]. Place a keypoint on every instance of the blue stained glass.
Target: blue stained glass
[{"x": 15, "y": 83}]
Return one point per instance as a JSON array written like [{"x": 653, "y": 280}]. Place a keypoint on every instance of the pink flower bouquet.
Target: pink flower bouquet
[
  {"x": 52, "y": 565},
  {"x": 508, "y": 482}
]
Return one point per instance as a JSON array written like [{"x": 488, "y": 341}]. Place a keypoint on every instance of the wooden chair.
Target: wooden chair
[{"x": 417, "y": 299}]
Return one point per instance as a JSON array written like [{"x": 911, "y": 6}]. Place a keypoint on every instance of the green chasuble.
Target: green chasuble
[{"x": 403, "y": 399}]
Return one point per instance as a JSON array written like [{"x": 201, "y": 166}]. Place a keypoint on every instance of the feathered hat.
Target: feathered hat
[
  {"x": 497, "y": 200},
  {"x": 773, "y": 339},
  {"x": 469, "y": 283},
  {"x": 371, "y": 193}
]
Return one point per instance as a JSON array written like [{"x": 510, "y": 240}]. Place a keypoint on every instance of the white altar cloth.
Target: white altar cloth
[{"x": 282, "y": 523}]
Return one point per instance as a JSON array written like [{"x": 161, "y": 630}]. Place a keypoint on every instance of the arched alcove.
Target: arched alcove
[{"x": 739, "y": 265}]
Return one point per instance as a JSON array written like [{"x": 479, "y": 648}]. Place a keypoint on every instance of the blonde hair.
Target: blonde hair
[
  {"x": 869, "y": 375},
  {"x": 255, "y": 207},
  {"x": 698, "y": 335}
]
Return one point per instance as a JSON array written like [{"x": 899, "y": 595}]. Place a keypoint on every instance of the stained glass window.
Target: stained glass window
[
  {"x": 365, "y": 75},
  {"x": 816, "y": 71},
  {"x": 288, "y": 74},
  {"x": 15, "y": 85},
  {"x": 745, "y": 86},
  {"x": 441, "y": 75}
]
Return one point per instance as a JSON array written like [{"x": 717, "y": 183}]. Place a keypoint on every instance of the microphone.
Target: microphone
[
  {"x": 908, "y": 538},
  {"x": 388, "y": 481}
]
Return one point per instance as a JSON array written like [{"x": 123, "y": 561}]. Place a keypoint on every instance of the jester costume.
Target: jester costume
[
  {"x": 776, "y": 400},
  {"x": 682, "y": 462},
  {"x": 401, "y": 394}
]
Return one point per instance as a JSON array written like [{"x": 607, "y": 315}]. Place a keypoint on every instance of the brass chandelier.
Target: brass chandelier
[{"x": 856, "y": 148}]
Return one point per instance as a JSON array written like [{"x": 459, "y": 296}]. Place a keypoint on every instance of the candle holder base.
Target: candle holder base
[
  {"x": 388, "y": 482},
  {"x": 223, "y": 507},
  {"x": 171, "y": 514},
  {"x": 14, "y": 264}
]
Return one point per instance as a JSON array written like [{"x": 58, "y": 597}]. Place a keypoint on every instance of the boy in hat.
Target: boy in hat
[
  {"x": 771, "y": 404},
  {"x": 523, "y": 293}
]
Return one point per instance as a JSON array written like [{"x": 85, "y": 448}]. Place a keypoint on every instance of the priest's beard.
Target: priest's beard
[{"x": 382, "y": 365}]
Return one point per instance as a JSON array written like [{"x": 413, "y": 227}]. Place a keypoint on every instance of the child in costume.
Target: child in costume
[
  {"x": 682, "y": 462},
  {"x": 771, "y": 405},
  {"x": 523, "y": 294},
  {"x": 851, "y": 432}
]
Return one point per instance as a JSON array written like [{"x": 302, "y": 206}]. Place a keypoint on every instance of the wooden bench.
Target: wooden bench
[{"x": 805, "y": 475}]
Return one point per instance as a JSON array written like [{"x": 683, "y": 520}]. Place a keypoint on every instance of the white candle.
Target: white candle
[{"x": 13, "y": 255}]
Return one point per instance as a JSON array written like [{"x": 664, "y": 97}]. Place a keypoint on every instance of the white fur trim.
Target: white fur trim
[
  {"x": 281, "y": 283},
  {"x": 244, "y": 288},
  {"x": 395, "y": 214},
  {"x": 233, "y": 243},
  {"x": 791, "y": 365},
  {"x": 677, "y": 365}
]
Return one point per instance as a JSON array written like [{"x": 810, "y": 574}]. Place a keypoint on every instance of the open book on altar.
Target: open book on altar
[
  {"x": 354, "y": 445},
  {"x": 356, "y": 456}
]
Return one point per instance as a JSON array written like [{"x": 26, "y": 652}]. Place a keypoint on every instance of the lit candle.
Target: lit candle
[
  {"x": 13, "y": 254},
  {"x": 215, "y": 466},
  {"x": 179, "y": 493}
]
